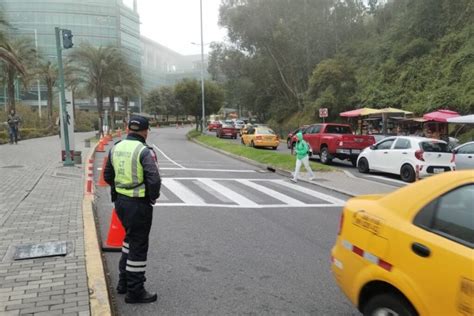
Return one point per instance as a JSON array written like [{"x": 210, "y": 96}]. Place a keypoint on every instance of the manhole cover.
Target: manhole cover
[
  {"x": 12, "y": 167},
  {"x": 47, "y": 249}
]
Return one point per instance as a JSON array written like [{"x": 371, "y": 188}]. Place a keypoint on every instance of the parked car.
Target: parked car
[
  {"x": 464, "y": 156},
  {"x": 214, "y": 125},
  {"x": 261, "y": 137},
  {"x": 332, "y": 140},
  {"x": 239, "y": 124},
  {"x": 409, "y": 252},
  {"x": 226, "y": 130},
  {"x": 290, "y": 140},
  {"x": 408, "y": 156}
]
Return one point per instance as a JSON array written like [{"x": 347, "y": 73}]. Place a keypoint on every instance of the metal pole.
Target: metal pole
[
  {"x": 68, "y": 161},
  {"x": 37, "y": 80},
  {"x": 202, "y": 72}
]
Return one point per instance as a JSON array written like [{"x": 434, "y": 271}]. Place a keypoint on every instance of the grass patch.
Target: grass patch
[{"x": 268, "y": 157}]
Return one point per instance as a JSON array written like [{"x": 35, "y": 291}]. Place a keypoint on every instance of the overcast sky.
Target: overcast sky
[{"x": 176, "y": 23}]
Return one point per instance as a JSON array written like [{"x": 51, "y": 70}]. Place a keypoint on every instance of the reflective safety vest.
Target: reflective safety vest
[{"x": 128, "y": 169}]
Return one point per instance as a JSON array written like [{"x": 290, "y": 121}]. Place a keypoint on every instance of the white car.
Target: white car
[
  {"x": 410, "y": 157},
  {"x": 239, "y": 124},
  {"x": 464, "y": 156}
]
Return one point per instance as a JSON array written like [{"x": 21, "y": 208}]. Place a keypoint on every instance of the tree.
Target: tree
[
  {"x": 48, "y": 73},
  {"x": 188, "y": 94},
  {"x": 19, "y": 56},
  {"x": 97, "y": 65},
  {"x": 162, "y": 101},
  {"x": 153, "y": 102}
]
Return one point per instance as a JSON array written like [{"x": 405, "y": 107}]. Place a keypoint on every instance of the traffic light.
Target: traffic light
[{"x": 67, "y": 39}]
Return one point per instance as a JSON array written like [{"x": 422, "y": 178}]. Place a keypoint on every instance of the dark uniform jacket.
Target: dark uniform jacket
[{"x": 150, "y": 169}]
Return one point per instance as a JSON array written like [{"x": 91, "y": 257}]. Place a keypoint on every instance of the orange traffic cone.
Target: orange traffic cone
[
  {"x": 101, "y": 147},
  {"x": 102, "y": 182},
  {"x": 116, "y": 234}
]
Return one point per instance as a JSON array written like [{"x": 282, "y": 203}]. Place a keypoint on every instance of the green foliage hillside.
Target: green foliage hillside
[{"x": 287, "y": 59}]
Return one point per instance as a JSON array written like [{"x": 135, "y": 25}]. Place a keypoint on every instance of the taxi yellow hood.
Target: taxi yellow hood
[{"x": 368, "y": 197}]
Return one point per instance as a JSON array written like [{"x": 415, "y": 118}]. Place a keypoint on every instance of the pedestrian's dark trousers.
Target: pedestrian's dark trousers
[
  {"x": 13, "y": 134},
  {"x": 136, "y": 216}
]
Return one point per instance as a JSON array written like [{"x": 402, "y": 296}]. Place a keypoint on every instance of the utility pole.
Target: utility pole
[
  {"x": 202, "y": 73},
  {"x": 64, "y": 120}
]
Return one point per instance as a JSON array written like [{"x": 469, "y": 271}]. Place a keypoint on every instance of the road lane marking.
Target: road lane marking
[
  {"x": 258, "y": 206},
  {"x": 169, "y": 159},
  {"x": 234, "y": 196},
  {"x": 272, "y": 193},
  {"x": 213, "y": 170},
  {"x": 182, "y": 192},
  {"x": 315, "y": 194},
  {"x": 388, "y": 179},
  {"x": 213, "y": 192}
]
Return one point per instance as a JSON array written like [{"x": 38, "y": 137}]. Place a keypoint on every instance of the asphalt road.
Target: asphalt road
[
  {"x": 228, "y": 238},
  {"x": 345, "y": 165}
]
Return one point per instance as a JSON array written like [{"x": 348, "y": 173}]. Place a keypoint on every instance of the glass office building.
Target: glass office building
[{"x": 98, "y": 22}]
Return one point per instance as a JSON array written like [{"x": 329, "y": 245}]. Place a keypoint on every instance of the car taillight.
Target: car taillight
[
  {"x": 419, "y": 155},
  {"x": 453, "y": 158},
  {"x": 341, "y": 144},
  {"x": 341, "y": 223},
  {"x": 258, "y": 137}
]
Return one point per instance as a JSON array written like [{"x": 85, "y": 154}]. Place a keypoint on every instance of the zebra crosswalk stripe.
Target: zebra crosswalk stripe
[
  {"x": 272, "y": 193},
  {"x": 316, "y": 194},
  {"x": 234, "y": 196},
  {"x": 182, "y": 192}
]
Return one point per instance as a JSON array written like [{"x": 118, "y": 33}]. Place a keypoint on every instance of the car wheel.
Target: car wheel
[
  {"x": 407, "y": 173},
  {"x": 325, "y": 156},
  {"x": 274, "y": 148},
  {"x": 288, "y": 143},
  {"x": 388, "y": 305},
  {"x": 252, "y": 144},
  {"x": 363, "y": 165},
  {"x": 242, "y": 141}
]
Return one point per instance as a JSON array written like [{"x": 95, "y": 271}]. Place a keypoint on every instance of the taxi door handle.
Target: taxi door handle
[
  {"x": 385, "y": 152},
  {"x": 420, "y": 250},
  {"x": 405, "y": 153}
]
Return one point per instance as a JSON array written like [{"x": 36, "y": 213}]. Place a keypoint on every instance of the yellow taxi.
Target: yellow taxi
[
  {"x": 410, "y": 252},
  {"x": 260, "y": 137}
]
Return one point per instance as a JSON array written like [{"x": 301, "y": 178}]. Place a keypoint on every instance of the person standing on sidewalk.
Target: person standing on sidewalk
[
  {"x": 302, "y": 157},
  {"x": 132, "y": 172},
  {"x": 13, "y": 121}
]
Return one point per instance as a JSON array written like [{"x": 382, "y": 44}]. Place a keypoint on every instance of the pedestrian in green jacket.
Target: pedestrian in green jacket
[{"x": 302, "y": 157}]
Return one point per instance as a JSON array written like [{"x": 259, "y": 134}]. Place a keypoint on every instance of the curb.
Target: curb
[
  {"x": 279, "y": 171},
  {"x": 98, "y": 289}
]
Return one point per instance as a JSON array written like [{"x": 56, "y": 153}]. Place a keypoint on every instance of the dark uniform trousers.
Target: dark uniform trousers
[{"x": 136, "y": 216}]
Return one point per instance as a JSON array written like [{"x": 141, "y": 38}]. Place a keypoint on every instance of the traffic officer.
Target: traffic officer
[{"x": 132, "y": 172}]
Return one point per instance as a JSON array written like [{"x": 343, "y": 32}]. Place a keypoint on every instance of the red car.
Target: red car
[
  {"x": 227, "y": 130},
  {"x": 332, "y": 140},
  {"x": 212, "y": 126}
]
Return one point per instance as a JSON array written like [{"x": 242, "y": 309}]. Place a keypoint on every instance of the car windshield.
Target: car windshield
[
  {"x": 265, "y": 132},
  {"x": 331, "y": 129},
  {"x": 434, "y": 147}
]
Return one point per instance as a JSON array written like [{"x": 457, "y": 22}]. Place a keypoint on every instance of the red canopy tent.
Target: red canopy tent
[{"x": 440, "y": 115}]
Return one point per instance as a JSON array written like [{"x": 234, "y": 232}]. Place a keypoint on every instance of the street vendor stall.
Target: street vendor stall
[{"x": 436, "y": 125}]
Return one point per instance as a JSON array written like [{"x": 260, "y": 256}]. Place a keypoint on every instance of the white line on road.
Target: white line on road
[
  {"x": 234, "y": 196},
  {"x": 169, "y": 159},
  {"x": 272, "y": 193},
  {"x": 213, "y": 170},
  {"x": 316, "y": 194},
  {"x": 182, "y": 192},
  {"x": 247, "y": 206},
  {"x": 388, "y": 179}
]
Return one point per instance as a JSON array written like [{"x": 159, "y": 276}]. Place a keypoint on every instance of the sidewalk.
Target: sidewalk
[{"x": 41, "y": 201}]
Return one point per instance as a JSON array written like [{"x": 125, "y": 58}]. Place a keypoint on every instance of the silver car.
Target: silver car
[{"x": 464, "y": 156}]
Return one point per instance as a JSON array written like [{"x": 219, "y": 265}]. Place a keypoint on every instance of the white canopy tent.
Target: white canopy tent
[{"x": 466, "y": 119}]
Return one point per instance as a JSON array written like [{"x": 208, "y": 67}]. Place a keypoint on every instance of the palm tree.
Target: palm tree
[
  {"x": 18, "y": 55},
  {"x": 96, "y": 65},
  {"x": 128, "y": 84},
  {"x": 48, "y": 73}
]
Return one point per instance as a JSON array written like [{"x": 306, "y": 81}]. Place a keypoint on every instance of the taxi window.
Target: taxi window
[
  {"x": 451, "y": 215},
  {"x": 467, "y": 149},
  {"x": 386, "y": 144},
  {"x": 265, "y": 132}
]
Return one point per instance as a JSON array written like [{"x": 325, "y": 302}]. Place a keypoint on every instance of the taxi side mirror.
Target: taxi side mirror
[{"x": 372, "y": 147}]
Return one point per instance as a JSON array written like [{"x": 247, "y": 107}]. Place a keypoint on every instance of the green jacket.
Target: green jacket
[{"x": 301, "y": 147}]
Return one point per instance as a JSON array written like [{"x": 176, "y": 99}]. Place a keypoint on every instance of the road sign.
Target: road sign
[{"x": 323, "y": 112}]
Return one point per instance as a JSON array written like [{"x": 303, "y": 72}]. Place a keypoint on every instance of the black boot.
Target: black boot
[
  {"x": 144, "y": 297},
  {"x": 122, "y": 288}
]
